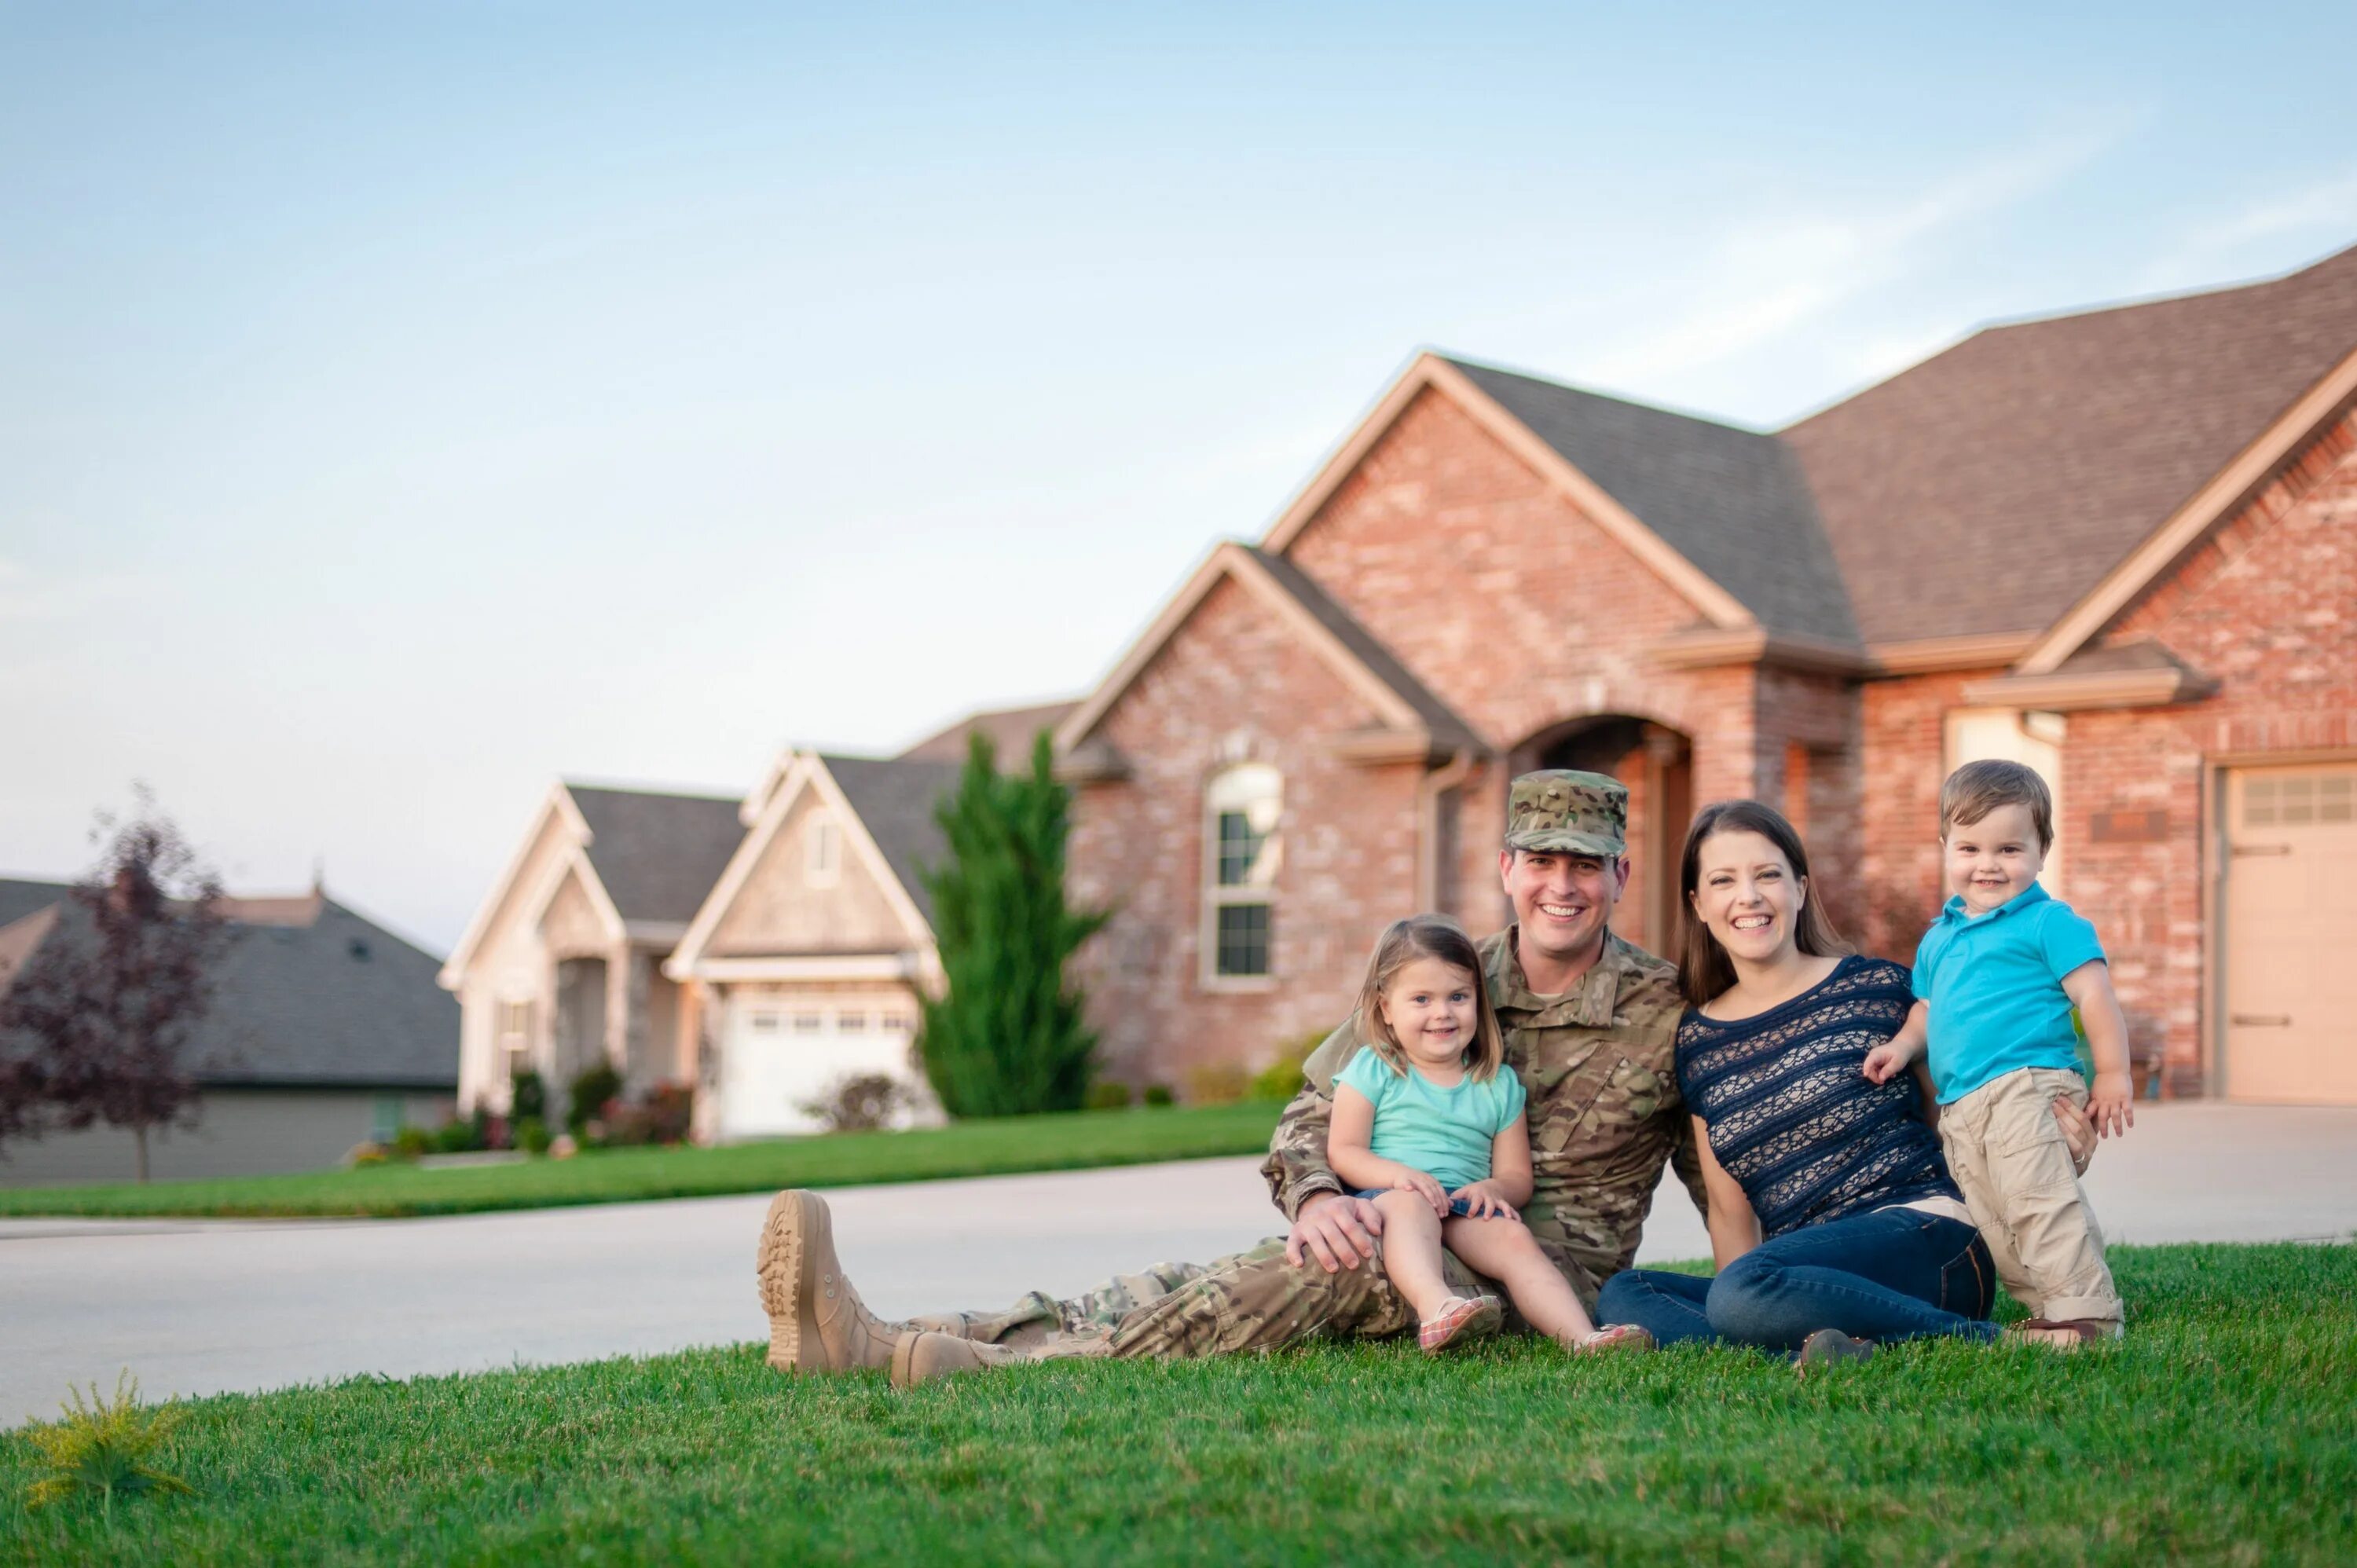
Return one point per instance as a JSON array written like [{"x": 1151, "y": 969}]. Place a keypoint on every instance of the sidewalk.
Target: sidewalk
[{"x": 195, "y": 1307}]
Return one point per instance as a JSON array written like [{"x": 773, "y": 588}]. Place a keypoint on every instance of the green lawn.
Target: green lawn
[
  {"x": 2223, "y": 1430},
  {"x": 1076, "y": 1141}
]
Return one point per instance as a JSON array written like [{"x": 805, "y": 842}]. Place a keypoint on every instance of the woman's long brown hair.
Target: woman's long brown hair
[{"x": 1704, "y": 969}]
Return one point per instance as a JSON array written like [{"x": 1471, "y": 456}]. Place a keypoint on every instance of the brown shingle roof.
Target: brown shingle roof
[
  {"x": 1010, "y": 731},
  {"x": 1988, "y": 489}
]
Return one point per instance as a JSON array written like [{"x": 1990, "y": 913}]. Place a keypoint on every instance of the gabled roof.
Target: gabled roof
[
  {"x": 657, "y": 853},
  {"x": 1010, "y": 731},
  {"x": 2062, "y": 444},
  {"x": 1732, "y": 502},
  {"x": 1449, "y": 732},
  {"x": 889, "y": 803},
  {"x": 1404, "y": 707},
  {"x": 894, "y": 800},
  {"x": 333, "y": 1001}
]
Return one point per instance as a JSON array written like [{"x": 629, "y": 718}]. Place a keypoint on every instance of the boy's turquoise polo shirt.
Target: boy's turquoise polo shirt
[
  {"x": 1444, "y": 1132},
  {"x": 1994, "y": 984}
]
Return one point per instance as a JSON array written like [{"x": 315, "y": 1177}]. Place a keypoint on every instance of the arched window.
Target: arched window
[{"x": 1242, "y": 851}]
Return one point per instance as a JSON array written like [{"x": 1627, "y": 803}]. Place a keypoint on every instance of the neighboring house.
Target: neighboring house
[
  {"x": 810, "y": 955},
  {"x": 761, "y": 949},
  {"x": 562, "y": 966},
  {"x": 2120, "y": 544},
  {"x": 325, "y": 1031},
  {"x": 1011, "y": 731}
]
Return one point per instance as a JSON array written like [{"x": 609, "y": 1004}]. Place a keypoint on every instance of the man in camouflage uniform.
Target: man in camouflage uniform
[{"x": 1590, "y": 1025}]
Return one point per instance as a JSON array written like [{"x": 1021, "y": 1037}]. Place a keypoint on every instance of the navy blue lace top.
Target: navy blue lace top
[{"x": 1791, "y": 1114}]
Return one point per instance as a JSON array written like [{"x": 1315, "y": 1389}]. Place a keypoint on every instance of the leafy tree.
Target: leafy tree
[
  {"x": 1006, "y": 1039},
  {"x": 99, "y": 1016}
]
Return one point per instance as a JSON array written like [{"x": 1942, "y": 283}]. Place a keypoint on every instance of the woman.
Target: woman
[{"x": 1833, "y": 1219}]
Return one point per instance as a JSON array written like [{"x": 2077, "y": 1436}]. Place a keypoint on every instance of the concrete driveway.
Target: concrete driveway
[{"x": 203, "y": 1308}]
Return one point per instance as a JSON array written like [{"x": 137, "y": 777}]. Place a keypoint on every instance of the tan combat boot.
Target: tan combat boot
[
  {"x": 817, "y": 1322},
  {"x": 917, "y": 1357}
]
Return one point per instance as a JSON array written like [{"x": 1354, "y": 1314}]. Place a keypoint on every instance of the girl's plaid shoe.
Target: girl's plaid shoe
[
  {"x": 1467, "y": 1315},
  {"x": 1612, "y": 1337}
]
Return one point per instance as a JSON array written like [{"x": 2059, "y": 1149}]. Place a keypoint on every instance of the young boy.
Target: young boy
[{"x": 1997, "y": 975}]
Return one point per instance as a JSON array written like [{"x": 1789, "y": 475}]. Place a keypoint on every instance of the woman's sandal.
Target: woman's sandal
[
  {"x": 1467, "y": 1315},
  {"x": 1612, "y": 1337}
]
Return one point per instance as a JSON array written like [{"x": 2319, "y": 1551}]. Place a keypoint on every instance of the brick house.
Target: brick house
[{"x": 2119, "y": 544}]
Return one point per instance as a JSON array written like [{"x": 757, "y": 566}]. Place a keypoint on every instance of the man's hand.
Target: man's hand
[
  {"x": 1337, "y": 1230},
  {"x": 1888, "y": 1060},
  {"x": 1483, "y": 1200},
  {"x": 2110, "y": 1105},
  {"x": 1422, "y": 1184},
  {"x": 2077, "y": 1132}
]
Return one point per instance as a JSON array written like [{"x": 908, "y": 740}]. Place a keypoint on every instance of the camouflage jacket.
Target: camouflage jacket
[{"x": 1597, "y": 1065}]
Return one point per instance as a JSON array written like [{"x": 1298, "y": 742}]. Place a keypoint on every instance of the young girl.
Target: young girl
[{"x": 1427, "y": 1126}]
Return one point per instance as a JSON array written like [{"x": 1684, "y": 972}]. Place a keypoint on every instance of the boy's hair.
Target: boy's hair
[
  {"x": 1976, "y": 789},
  {"x": 1403, "y": 943}
]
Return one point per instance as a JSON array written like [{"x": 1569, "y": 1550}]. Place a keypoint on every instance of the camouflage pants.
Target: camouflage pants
[{"x": 1248, "y": 1301}]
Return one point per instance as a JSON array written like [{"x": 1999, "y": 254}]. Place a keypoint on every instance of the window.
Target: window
[
  {"x": 893, "y": 1023},
  {"x": 825, "y": 851},
  {"x": 1243, "y": 852},
  {"x": 386, "y": 1119},
  {"x": 511, "y": 1022},
  {"x": 851, "y": 1023},
  {"x": 809, "y": 1023}
]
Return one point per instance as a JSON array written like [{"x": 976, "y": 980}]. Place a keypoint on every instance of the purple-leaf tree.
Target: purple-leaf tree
[{"x": 99, "y": 1016}]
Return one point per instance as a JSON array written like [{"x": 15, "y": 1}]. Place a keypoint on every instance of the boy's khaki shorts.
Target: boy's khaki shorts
[{"x": 2009, "y": 1157}]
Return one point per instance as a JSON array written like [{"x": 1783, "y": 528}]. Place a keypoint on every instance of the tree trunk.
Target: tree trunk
[{"x": 141, "y": 1133}]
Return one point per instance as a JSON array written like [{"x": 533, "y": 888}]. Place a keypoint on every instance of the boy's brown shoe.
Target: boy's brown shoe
[
  {"x": 2063, "y": 1334},
  {"x": 817, "y": 1322},
  {"x": 920, "y": 1357}
]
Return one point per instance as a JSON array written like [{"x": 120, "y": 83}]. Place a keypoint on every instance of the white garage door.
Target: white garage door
[
  {"x": 783, "y": 1055},
  {"x": 2291, "y": 899}
]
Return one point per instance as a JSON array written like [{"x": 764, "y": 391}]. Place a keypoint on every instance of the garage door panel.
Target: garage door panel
[{"x": 2291, "y": 898}]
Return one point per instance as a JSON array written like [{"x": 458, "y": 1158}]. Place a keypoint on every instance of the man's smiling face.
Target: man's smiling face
[{"x": 1562, "y": 901}]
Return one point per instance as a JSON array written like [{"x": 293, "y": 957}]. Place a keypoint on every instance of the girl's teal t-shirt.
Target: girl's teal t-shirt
[{"x": 1445, "y": 1132}]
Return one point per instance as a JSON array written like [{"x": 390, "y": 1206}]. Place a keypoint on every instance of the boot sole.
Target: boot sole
[{"x": 786, "y": 1291}]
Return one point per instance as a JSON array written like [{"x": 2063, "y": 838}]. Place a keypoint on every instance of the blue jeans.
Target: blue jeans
[{"x": 1897, "y": 1273}]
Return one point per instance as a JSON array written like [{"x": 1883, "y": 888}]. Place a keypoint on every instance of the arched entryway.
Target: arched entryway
[{"x": 1656, "y": 763}]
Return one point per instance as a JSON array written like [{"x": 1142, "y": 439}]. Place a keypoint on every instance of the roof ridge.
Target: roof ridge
[
  {"x": 1716, "y": 421},
  {"x": 731, "y": 796}
]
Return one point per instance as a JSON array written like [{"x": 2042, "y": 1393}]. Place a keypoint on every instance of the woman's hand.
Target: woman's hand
[
  {"x": 2077, "y": 1131},
  {"x": 1425, "y": 1186},
  {"x": 1483, "y": 1200}
]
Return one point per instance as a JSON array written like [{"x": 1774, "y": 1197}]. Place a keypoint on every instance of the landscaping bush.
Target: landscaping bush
[
  {"x": 528, "y": 1097},
  {"x": 532, "y": 1136},
  {"x": 457, "y": 1136},
  {"x": 592, "y": 1090},
  {"x": 411, "y": 1141},
  {"x": 858, "y": 1102},
  {"x": 1280, "y": 1080},
  {"x": 1107, "y": 1095},
  {"x": 1007, "y": 1038},
  {"x": 1217, "y": 1083},
  {"x": 1159, "y": 1094},
  {"x": 662, "y": 1116}
]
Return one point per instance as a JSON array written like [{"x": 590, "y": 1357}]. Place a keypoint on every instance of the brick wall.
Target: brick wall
[
  {"x": 1234, "y": 684},
  {"x": 2265, "y": 605},
  {"x": 1521, "y": 614}
]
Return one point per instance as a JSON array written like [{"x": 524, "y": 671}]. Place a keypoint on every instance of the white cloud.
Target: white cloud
[
  {"x": 1765, "y": 281},
  {"x": 2325, "y": 211}
]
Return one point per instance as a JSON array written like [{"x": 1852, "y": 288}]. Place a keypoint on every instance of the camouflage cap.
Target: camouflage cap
[{"x": 1567, "y": 812}]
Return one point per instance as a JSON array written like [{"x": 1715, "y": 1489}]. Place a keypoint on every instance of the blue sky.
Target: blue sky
[{"x": 403, "y": 405}]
